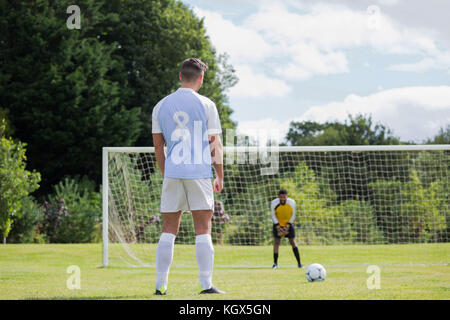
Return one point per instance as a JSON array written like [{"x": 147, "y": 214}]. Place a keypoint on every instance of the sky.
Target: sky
[{"x": 324, "y": 60}]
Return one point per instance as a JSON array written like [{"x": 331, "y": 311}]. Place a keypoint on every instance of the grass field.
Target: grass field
[{"x": 40, "y": 272}]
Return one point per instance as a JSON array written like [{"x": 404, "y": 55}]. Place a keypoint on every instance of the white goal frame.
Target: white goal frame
[{"x": 236, "y": 149}]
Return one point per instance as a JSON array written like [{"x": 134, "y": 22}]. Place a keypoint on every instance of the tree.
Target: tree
[
  {"x": 72, "y": 212},
  {"x": 409, "y": 212},
  {"x": 71, "y": 92},
  {"x": 340, "y": 167},
  {"x": 153, "y": 38},
  {"x": 359, "y": 130},
  {"x": 56, "y": 85},
  {"x": 443, "y": 136},
  {"x": 15, "y": 181}
]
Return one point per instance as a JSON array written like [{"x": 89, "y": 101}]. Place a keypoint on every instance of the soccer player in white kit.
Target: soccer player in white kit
[{"x": 188, "y": 123}]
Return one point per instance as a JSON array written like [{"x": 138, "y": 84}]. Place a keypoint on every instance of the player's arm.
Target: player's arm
[
  {"x": 217, "y": 160},
  {"x": 272, "y": 213},
  {"x": 158, "y": 138},
  {"x": 159, "y": 143},
  {"x": 292, "y": 219},
  {"x": 215, "y": 143}
]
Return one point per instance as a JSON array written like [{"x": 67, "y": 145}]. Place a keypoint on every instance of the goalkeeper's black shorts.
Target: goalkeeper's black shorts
[{"x": 290, "y": 234}]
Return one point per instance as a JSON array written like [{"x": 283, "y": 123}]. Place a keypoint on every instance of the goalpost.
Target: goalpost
[{"x": 377, "y": 200}]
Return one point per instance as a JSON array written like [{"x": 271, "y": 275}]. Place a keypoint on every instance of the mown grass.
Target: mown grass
[{"x": 407, "y": 272}]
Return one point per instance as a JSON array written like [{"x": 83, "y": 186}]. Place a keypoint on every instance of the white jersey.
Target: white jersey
[{"x": 186, "y": 119}]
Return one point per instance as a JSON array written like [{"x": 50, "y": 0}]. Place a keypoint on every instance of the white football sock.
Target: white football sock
[
  {"x": 204, "y": 252},
  {"x": 164, "y": 255}
]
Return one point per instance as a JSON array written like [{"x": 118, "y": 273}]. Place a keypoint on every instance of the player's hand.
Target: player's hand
[
  {"x": 282, "y": 231},
  {"x": 218, "y": 185}
]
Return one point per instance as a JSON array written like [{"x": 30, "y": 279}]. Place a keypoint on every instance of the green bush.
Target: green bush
[
  {"x": 409, "y": 212},
  {"x": 358, "y": 221},
  {"x": 135, "y": 201},
  {"x": 250, "y": 222},
  {"x": 324, "y": 221},
  {"x": 73, "y": 213},
  {"x": 25, "y": 222},
  {"x": 15, "y": 181}
]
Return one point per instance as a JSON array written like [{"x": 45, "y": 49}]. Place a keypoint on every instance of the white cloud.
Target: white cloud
[
  {"x": 330, "y": 27},
  {"x": 413, "y": 113},
  {"x": 255, "y": 84},
  {"x": 244, "y": 45},
  {"x": 440, "y": 62},
  {"x": 308, "y": 61},
  {"x": 264, "y": 130},
  {"x": 311, "y": 42},
  {"x": 282, "y": 43},
  {"x": 388, "y": 2},
  {"x": 246, "y": 49}
]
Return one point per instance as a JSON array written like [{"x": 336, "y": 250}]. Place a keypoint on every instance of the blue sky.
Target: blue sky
[{"x": 322, "y": 60}]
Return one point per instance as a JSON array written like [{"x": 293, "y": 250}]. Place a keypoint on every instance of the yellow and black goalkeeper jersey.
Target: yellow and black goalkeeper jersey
[{"x": 282, "y": 213}]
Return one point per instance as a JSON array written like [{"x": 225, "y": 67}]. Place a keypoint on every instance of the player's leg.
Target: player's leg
[
  {"x": 202, "y": 221},
  {"x": 164, "y": 250},
  {"x": 295, "y": 250},
  {"x": 173, "y": 203},
  {"x": 276, "y": 246},
  {"x": 171, "y": 222},
  {"x": 204, "y": 250},
  {"x": 201, "y": 203}
]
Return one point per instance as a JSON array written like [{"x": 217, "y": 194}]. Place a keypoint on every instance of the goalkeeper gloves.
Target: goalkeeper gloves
[{"x": 282, "y": 231}]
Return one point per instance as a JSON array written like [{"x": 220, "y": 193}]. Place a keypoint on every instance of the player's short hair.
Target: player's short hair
[
  {"x": 192, "y": 68},
  {"x": 283, "y": 191}
]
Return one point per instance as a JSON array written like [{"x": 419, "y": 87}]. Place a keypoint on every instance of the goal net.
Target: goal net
[{"x": 355, "y": 205}]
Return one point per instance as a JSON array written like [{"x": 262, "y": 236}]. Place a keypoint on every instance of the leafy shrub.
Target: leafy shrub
[
  {"x": 321, "y": 219},
  {"x": 135, "y": 202},
  {"x": 72, "y": 214},
  {"x": 25, "y": 222},
  {"x": 15, "y": 182},
  {"x": 409, "y": 212}
]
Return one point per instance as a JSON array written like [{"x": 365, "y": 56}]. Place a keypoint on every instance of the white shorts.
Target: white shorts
[{"x": 186, "y": 195}]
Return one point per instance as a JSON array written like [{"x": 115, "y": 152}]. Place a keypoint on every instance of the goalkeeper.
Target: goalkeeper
[{"x": 282, "y": 210}]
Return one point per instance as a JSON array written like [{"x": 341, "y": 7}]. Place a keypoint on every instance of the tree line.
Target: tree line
[
  {"x": 68, "y": 93},
  {"x": 65, "y": 94}
]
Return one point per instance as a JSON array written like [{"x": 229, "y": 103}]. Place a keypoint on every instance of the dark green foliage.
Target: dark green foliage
[
  {"x": 359, "y": 223},
  {"x": 135, "y": 198},
  {"x": 16, "y": 182},
  {"x": 249, "y": 216},
  {"x": 71, "y": 92},
  {"x": 354, "y": 131},
  {"x": 324, "y": 220},
  {"x": 443, "y": 136},
  {"x": 53, "y": 218},
  {"x": 342, "y": 168},
  {"x": 26, "y": 221},
  {"x": 153, "y": 38},
  {"x": 56, "y": 86},
  {"x": 73, "y": 213},
  {"x": 411, "y": 212}
]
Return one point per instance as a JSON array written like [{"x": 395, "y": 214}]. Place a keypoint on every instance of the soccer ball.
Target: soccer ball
[{"x": 315, "y": 272}]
